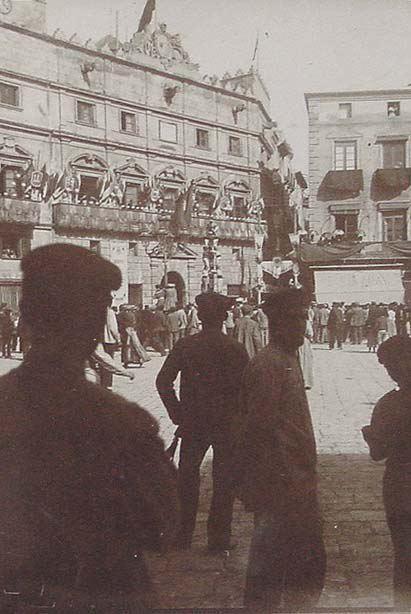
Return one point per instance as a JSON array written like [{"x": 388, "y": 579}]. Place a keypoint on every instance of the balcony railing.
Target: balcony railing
[
  {"x": 142, "y": 221},
  {"x": 16, "y": 211}
]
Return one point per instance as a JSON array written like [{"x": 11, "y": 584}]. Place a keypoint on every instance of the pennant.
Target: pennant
[
  {"x": 147, "y": 15},
  {"x": 60, "y": 186}
]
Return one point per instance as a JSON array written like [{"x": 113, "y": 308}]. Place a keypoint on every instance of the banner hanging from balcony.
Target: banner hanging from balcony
[
  {"x": 339, "y": 185},
  {"x": 309, "y": 253}
]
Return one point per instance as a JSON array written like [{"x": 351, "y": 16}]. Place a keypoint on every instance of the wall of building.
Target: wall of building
[{"x": 368, "y": 127}]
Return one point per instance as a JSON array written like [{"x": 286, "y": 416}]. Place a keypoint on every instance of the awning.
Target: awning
[
  {"x": 387, "y": 183},
  {"x": 341, "y": 185}
]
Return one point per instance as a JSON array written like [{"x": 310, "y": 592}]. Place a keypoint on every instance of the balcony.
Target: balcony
[
  {"x": 143, "y": 221},
  {"x": 16, "y": 211}
]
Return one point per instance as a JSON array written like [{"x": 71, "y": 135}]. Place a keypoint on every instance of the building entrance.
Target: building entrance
[{"x": 175, "y": 278}]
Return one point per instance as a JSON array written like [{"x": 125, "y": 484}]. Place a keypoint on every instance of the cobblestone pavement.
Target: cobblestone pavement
[{"x": 347, "y": 384}]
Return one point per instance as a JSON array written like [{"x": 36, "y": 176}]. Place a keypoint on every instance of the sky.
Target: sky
[{"x": 304, "y": 45}]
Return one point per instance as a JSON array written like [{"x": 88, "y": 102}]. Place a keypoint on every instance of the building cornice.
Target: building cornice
[
  {"x": 135, "y": 65},
  {"x": 364, "y": 94},
  {"x": 117, "y": 146}
]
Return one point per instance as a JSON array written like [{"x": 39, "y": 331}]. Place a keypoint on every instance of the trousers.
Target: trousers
[
  {"x": 335, "y": 334},
  {"x": 192, "y": 452},
  {"x": 286, "y": 565}
]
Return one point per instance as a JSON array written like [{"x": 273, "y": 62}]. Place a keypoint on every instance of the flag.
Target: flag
[
  {"x": 147, "y": 15},
  {"x": 177, "y": 221},
  {"x": 23, "y": 184},
  {"x": 51, "y": 185},
  {"x": 44, "y": 181},
  {"x": 60, "y": 186}
]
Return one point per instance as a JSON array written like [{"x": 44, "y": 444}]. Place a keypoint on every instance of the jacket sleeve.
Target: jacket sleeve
[{"x": 165, "y": 383}]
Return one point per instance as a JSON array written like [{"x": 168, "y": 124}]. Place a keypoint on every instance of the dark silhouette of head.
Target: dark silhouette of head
[
  {"x": 212, "y": 309},
  {"x": 66, "y": 292},
  {"x": 395, "y": 355},
  {"x": 286, "y": 309}
]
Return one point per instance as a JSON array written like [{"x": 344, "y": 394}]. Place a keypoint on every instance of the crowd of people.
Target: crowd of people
[
  {"x": 355, "y": 323},
  {"x": 87, "y": 485}
]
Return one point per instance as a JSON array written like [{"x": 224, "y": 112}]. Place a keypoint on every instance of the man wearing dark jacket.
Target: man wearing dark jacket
[
  {"x": 277, "y": 468},
  {"x": 335, "y": 327},
  {"x": 211, "y": 365},
  {"x": 85, "y": 482}
]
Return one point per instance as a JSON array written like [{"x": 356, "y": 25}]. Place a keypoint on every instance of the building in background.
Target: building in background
[
  {"x": 125, "y": 148},
  {"x": 360, "y": 193}
]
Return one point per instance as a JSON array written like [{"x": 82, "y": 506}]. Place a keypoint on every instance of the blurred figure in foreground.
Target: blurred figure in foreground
[
  {"x": 389, "y": 437},
  {"x": 277, "y": 468},
  {"x": 79, "y": 502}
]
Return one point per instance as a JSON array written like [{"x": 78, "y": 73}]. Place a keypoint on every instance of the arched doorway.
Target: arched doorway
[{"x": 175, "y": 278}]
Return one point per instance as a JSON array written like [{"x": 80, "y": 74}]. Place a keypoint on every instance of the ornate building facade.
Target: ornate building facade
[{"x": 124, "y": 148}]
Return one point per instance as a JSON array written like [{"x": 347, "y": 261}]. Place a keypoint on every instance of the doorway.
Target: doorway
[{"x": 175, "y": 278}]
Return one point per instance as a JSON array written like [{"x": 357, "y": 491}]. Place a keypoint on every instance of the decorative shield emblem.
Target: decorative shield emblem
[{"x": 36, "y": 179}]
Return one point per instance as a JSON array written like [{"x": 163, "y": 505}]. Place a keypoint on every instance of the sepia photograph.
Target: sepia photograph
[{"x": 205, "y": 306}]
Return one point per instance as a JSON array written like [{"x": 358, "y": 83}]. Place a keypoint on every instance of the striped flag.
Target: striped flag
[{"x": 147, "y": 15}]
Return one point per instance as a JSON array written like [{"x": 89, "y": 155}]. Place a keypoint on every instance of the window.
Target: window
[
  {"x": 8, "y": 175},
  {"x": 9, "y": 94},
  {"x": 128, "y": 122},
  {"x": 393, "y": 154},
  {"x": 95, "y": 247},
  {"x": 168, "y": 132},
  {"x": 345, "y": 156},
  {"x": 205, "y": 201},
  {"x": 86, "y": 113},
  {"x": 348, "y": 223},
  {"x": 239, "y": 206},
  {"x": 393, "y": 109},
  {"x": 394, "y": 226},
  {"x": 345, "y": 110},
  {"x": 202, "y": 138},
  {"x": 170, "y": 196},
  {"x": 89, "y": 187},
  {"x": 131, "y": 193},
  {"x": 13, "y": 246},
  {"x": 234, "y": 145}
]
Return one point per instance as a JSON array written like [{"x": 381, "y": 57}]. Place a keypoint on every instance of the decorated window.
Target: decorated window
[
  {"x": 345, "y": 155},
  {"x": 128, "y": 122},
  {"x": 8, "y": 175},
  {"x": 9, "y": 94},
  {"x": 131, "y": 193},
  {"x": 85, "y": 113},
  {"x": 394, "y": 226},
  {"x": 168, "y": 132},
  {"x": 89, "y": 186}
]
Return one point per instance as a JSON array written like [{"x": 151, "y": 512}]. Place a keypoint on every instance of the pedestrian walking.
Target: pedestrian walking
[
  {"x": 381, "y": 325},
  {"x": 336, "y": 327},
  {"x": 262, "y": 322},
  {"x": 277, "y": 468},
  {"x": 211, "y": 365},
  {"x": 111, "y": 340},
  {"x": 357, "y": 323},
  {"x": 306, "y": 357},
  {"x": 388, "y": 437},
  {"x": 391, "y": 321},
  {"x": 177, "y": 324},
  {"x": 370, "y": 324},
  {"x": 324, "y": 314},
  {"x": 193, "y": 322},
  {"x": 247, "y": 331},
  {"x": 79, "y": 502},
  {"x": 158, "y": 328}
]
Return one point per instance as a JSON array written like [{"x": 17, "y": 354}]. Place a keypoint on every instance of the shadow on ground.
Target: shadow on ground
[{"x": 357, "y": 542}]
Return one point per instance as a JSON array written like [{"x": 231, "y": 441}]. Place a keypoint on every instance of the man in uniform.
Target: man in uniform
[
  {"x": 85, "y": 481},
  {"x": 211, "y": 365},
  {"x": 278, "y": 468}
]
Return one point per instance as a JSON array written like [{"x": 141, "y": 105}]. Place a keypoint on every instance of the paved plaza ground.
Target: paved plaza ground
[{"x": 347, "y": 384}]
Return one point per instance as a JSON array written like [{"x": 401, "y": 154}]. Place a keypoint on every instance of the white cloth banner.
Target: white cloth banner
[
  {"x": 119, "y": 257},
  {"x": 359, "y": 285}
]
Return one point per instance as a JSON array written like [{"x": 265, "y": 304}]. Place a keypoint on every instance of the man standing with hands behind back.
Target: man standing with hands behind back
[{"x": 211, "y": 365}]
